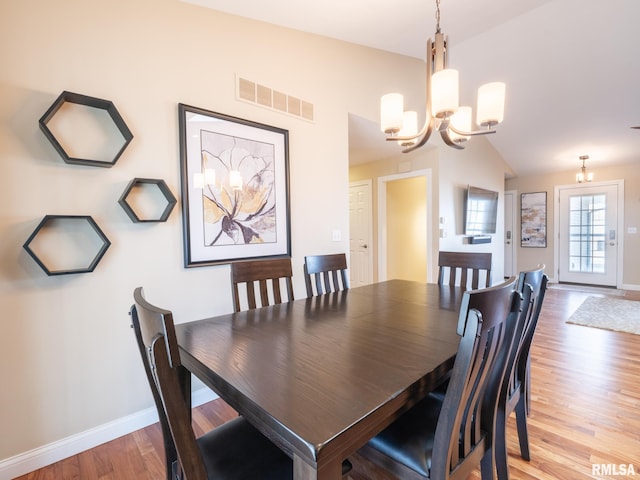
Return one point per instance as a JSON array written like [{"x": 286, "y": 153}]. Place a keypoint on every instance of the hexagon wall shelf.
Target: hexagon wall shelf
[
  {"x": 70, "y": 97},
  {"x": 162, "y": 187},
  {"x": 50, "y": 219}
]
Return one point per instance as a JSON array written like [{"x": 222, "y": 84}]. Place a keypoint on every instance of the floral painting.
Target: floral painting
[{"x": 235, "y": 188}]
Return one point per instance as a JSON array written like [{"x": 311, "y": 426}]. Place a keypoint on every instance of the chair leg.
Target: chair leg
[
  {"x": 527, "y": 387},
  {"x": 487, "y": 466},
  {"x": 176, "y": 471},
  {"x": 521, "y": 423},
  {"x": 500, "y": 446}
]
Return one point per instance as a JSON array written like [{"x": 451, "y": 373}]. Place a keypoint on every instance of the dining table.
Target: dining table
[{"x": 320, "y": 376}]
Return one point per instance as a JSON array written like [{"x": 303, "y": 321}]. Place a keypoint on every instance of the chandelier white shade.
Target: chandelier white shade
[
  {"x": 444, "y": 93},
  {"x": 491, "y": 104},
  {"x": 442, "y": 112},
  {"x": 461, "y": 122},
  {"x": 409, "y": 127},
  {"x": 391, "y": 112}
]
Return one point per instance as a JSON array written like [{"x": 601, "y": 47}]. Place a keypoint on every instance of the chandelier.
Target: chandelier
[
  {"x": 582, "y": 175},
  {"x": 443, "y": 112}
]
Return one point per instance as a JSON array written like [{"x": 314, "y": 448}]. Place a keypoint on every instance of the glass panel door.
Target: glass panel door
[{"x": 588, "y": 235}]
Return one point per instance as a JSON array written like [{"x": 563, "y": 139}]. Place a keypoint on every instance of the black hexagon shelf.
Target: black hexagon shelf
[
  {"x": 49, "y": 221},
  {"x": 70, "y": 97},
  {"x": 137, "y": 183}
]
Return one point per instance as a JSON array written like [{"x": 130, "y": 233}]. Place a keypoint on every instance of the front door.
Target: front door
[{"x": 588, "y": 234}]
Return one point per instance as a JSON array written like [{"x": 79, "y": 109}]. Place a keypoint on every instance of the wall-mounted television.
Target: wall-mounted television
[{"x": 481, "y": 211}]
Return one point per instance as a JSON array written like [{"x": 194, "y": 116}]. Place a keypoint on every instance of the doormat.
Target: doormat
[
  {"x": 574, "y": 287},
  {"x": 608, "y": 314}
]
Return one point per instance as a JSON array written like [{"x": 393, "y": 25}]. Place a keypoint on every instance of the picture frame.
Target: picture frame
[
  {"x": 533, "y": 220},
  {"x": 235, "y": 188}
]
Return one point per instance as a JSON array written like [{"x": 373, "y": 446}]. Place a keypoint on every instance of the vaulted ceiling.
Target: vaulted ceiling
[{"x": 571, "y": 67}]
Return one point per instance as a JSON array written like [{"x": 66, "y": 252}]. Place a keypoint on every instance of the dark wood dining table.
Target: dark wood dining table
[{"x": 321, "y": 376}]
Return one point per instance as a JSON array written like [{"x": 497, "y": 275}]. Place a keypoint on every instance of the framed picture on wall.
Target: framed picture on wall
[
  {"x": 533, "y": 220},
  {"x": 235, "y": 188}
]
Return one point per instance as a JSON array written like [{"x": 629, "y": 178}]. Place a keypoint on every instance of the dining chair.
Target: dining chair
[
  {"x": 327, "y": 272},
  {"x": 448, "y": 437},
  {"x": 267, "y": 274},
  {"x": 516, "y": 389},
  {"x": 234, "y": 450},
  {"x": 454, "y": 265}
]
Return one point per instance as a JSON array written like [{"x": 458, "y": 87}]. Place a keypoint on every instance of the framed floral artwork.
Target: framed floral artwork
[{"x": 235, "y": 188}]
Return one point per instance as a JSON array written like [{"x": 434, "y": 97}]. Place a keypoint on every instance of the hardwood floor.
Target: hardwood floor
[{"x": 585, "y": 411}]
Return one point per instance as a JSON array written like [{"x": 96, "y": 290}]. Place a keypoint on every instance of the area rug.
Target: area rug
[{"x": 609, "y": 314}]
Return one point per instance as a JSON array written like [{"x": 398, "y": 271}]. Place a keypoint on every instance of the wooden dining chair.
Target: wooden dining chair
[
  {"x": 456, "y": 266},
  {"x": 267, "y": 274},
  {"x": 448, "y": 437},
  {"x": 515, "y": 391},
  {"x": 328, "y": 273},
  {"x": 234, "y": 450}
]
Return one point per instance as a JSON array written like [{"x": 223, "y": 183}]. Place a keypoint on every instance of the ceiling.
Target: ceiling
[{"x": 571, "y": 67}]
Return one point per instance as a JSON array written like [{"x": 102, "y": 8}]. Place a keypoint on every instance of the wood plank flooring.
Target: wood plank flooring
[{"x": 585, "y": 411}]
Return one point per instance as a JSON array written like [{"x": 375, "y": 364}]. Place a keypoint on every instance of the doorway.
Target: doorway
[
  {"x": 401, "y": 227},
  {"x": 510, "y": 208},
  {"x": 589, "y": 225},
  {"x": 360, "y": 234}
]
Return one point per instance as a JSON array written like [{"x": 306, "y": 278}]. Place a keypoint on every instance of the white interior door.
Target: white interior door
[
  {"x": 509, "y": 222},
  {"x": 360, "y": 234},
  {"x": 589, "y": 234}
]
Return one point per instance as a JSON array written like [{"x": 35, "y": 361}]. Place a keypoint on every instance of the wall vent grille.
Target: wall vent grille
[{"x": 264, "y": 96}]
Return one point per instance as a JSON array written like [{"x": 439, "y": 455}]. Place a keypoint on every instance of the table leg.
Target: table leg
[{"x": 327, "y": 471}]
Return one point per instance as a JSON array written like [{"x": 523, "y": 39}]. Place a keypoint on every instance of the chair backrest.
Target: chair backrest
[
  {"x": 267, "y": 274},
  {"x": 158, "y": 344},
  {"x": 152, "y": 325},
  {"x": 537, "y": 280},
  {"x": 488, "y": 319},
  {"x": 327, "y": 272},
  {"x": 462, "y": 263}
]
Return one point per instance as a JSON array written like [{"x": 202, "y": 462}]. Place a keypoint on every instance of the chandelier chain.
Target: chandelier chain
[{"x": 437, "y": 16}]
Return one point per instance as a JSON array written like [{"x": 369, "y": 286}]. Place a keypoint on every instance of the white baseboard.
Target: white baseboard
[{"x": 27, "y": 462}]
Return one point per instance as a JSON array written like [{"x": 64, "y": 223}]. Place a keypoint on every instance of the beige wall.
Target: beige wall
[
  {"x": 481, "y": 166},
  {"x": 69, "y": 361},
  {"x": 528, "y": 257},
  {"x": 407, "y": 229},
  {"x": 452, "y": 170},
  {"x": 423, "y": 159}
]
